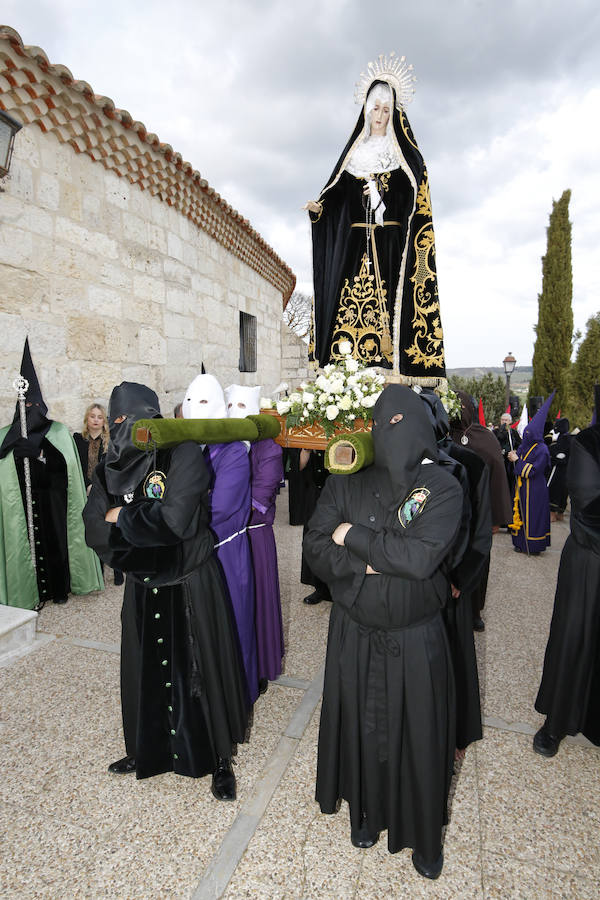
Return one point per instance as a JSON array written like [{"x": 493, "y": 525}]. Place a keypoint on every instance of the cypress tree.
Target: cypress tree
[
  {"x": 584, "y": 374},
  {"x": 554, "y": 330}
]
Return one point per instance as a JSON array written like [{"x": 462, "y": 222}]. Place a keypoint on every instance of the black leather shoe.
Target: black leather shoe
[
  {"x": 223, "y": 781},
  {"x": 545, "y": 743},
  {"x": 123, "y": 766},
  {"x": 362, "y": 837},
  {"x": 59, "y": 600},
  {"x": 478, "y": 624},
  {"x": 263, "y": 684},
  {"x": 314, "y": 598},
  {"x": 428, "y": 870},
  {"x": 119, "y": 578}
]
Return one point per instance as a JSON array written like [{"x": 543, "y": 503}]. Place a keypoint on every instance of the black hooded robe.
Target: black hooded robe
[
  {"x": 469, "y": 433},
  {"x": 466, "y": 569},
  {"x": 387, "y": 733},
  {"x": 468, "y": 576},
  {"x": 559, "y": 459},
  {"x": 182, "y": 688},
  {"x": 509, "y": 439},
  {"x": 569, "y": 694}
]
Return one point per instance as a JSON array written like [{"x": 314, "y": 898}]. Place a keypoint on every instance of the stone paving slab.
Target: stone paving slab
[{"x": 520, "y": 826}]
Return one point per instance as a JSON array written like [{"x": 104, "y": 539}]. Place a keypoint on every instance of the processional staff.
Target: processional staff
[{"x": 21, "y": 386}]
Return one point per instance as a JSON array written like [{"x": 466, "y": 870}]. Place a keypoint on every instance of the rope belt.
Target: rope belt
[
  {"x": 230, "y": 538},
  {"x": 383, "y": 643},
  {"x": 260, "y": 525}
]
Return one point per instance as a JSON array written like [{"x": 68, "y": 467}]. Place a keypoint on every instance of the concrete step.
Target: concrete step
[{"x": 17, "y": 631}]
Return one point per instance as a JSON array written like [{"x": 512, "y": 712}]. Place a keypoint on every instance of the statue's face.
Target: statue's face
[{"x": 380, "y": 116}]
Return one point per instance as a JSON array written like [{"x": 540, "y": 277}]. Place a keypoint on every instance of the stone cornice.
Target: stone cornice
[{"x": 38, "y": 92}]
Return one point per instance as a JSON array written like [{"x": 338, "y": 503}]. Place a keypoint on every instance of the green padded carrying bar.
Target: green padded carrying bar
[
  {"x": 167, "y": 433},
  {"x": 267, "y": 426},
  {"x": 350, "y": 452}
]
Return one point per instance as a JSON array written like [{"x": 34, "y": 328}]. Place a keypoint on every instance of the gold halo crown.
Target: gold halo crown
[{"x": 392, "y": 69}]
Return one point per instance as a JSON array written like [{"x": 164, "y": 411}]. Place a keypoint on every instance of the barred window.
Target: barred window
[{"x": 247, "y": 343}]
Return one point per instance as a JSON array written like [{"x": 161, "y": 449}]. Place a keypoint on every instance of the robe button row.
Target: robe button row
[
  {"x": 173, "y": 732},
  {"x": 155, "y": 590},
  {"x": 175, "y": 756},
  {"x": 146, "y": 580},
  {"x": 160, "y": 641},
  {"x": 170, "y": 708},
  {"x": 157, "y": 615},
  {"x": 168, "y": 684},
  {"x": 165, "y": 662},
  {"x": 371, "y": 518}
]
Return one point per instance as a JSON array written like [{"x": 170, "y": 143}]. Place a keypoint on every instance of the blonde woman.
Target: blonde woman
[
  {"x": 92, "y": 444},
  {"x": 92, "y": 441}
]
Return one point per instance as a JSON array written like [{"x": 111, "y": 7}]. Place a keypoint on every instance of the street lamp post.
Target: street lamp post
[
  {"x": 8, "y": 129},
  {"x": 509, "y": 363}
]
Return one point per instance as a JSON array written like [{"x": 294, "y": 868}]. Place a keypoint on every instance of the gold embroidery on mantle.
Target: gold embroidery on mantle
[
  {"x": 405, "y": 129},
  {"x": 424, "y": 197},
  {"x": 363, "y": 318},
  {"x": 383, "y": 181},
  {"x": 427, "y": 348}
]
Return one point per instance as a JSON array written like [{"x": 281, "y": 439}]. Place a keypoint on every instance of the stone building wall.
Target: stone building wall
[
  {"x": 116, "y": 258},
  {"x": 294, "y": 359}
]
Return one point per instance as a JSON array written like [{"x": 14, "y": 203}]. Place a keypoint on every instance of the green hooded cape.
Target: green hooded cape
[{"x": 18, "y": 583}]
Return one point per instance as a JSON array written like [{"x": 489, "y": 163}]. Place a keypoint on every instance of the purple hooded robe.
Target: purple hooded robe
[
  {"x": 531, "y": 500},
  {"x": 267, "y": 473},
  {"x": 229, "y": 467}
]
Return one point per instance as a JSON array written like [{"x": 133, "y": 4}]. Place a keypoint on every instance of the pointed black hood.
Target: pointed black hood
[
  {"x": 401, "y": 448},
  {"x": 35, "y": 414},
  {"x": 125, "y": 465}
]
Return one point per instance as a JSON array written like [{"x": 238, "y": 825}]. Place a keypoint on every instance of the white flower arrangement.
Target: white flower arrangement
[
  {"x": 339, "y": 395},
  {"x": 451, "y": 403}
]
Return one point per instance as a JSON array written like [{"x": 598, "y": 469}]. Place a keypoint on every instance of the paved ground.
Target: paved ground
[{"x": 520, "y": 826}]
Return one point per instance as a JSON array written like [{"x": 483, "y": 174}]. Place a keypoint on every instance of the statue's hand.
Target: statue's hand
[{"x": 313, "y": 206}]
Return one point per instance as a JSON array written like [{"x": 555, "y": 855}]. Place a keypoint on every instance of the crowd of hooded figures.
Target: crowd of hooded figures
[{"x": 401, "y": 549}]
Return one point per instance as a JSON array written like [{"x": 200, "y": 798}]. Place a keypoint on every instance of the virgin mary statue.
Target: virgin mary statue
[{"x": 375, "y": 283}]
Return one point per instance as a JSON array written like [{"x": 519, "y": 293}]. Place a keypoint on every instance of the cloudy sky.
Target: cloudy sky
[{"x": 258, "y": 96}]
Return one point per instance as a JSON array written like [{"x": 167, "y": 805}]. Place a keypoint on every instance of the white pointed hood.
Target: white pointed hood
[
  {"x": 204, "y": 399},
  {"x": 242, "y": 401}
]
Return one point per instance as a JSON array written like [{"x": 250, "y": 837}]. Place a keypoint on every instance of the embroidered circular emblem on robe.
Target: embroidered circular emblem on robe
[
  {"x": 154, "y": 485},
  {"x": 128, "y": 498},
  {"x": 413, "y": 506},
  {"x": 464, "y": 439}
]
